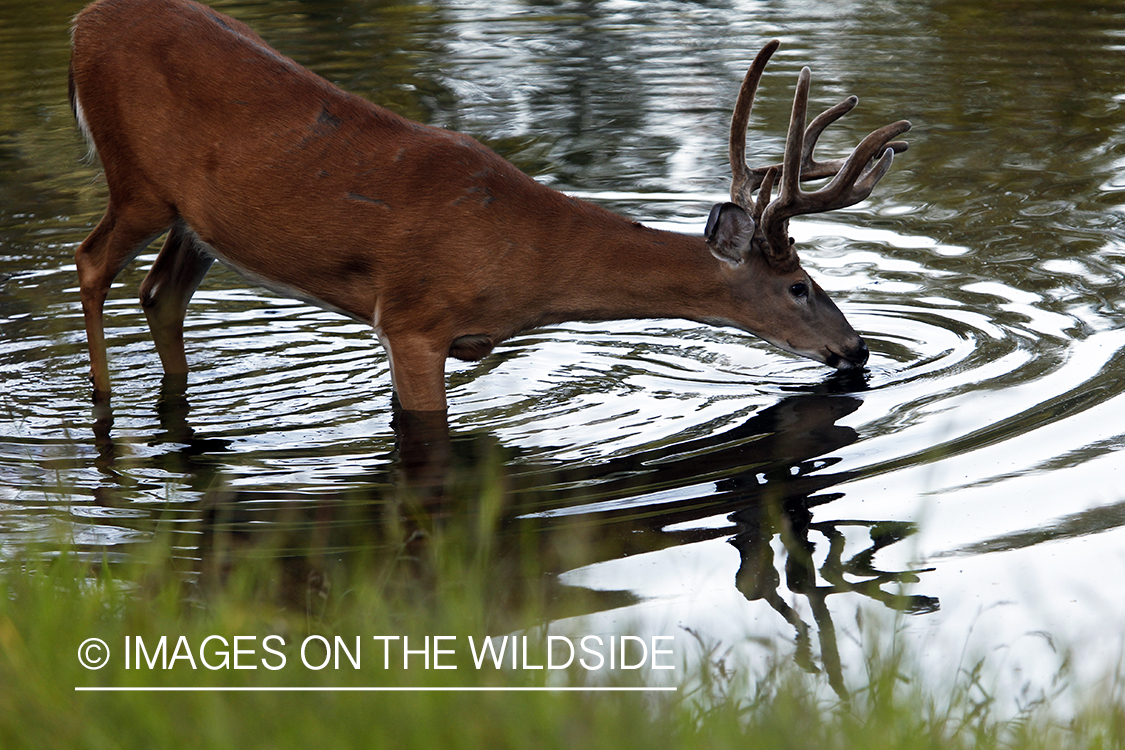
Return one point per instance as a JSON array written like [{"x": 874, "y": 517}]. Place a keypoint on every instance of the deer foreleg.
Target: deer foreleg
[{"x": 417, "y": 371}]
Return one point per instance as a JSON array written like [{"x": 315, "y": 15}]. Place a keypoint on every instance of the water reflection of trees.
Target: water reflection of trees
[{"x": 756, "y": 484}]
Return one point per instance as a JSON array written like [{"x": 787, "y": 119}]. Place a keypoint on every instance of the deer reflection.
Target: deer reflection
[
  {"x": 791, "y": 521},
  {"x": 773, "y": 470},
  {"x": 190, "y": 455},
  {"x": 756, "y": 484}
]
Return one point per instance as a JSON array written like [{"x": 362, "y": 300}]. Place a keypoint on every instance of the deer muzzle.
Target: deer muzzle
[{"x": 853, "y": 357}]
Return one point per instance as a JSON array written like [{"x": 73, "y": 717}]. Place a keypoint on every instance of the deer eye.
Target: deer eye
[{"x": 800, "y": 289}]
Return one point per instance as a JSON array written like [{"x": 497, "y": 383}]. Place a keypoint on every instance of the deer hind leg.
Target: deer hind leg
[
  {"x": 118, "y": 238},
  {"x": 166, "y": 291}
]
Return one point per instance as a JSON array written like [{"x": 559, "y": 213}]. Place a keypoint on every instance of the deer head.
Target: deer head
[{"x": 752, "y": 234}]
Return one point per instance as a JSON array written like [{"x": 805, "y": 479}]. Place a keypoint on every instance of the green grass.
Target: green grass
[{"x": 440, "y": 582}]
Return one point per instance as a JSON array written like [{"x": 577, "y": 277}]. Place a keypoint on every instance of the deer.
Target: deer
[{"x": 235, "y": 152}]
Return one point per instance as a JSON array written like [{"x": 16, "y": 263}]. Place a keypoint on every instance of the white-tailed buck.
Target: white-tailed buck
[{"x": 238, "y": 153}]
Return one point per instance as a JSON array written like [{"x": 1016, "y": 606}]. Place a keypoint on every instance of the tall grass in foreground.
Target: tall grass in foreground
[{"x": 50, "y": 604}]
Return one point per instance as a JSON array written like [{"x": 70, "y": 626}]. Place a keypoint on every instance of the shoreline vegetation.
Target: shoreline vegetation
[{"x": 276, "y": 658}]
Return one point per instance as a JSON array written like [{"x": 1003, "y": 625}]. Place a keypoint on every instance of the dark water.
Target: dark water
[{"x": 737, "y": 490}]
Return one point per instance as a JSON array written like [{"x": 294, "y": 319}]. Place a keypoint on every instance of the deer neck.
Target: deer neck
[{"x": 610, "y": 268}]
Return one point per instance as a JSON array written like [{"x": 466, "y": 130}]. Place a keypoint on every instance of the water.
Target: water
[{"x": 976, "y": 463}]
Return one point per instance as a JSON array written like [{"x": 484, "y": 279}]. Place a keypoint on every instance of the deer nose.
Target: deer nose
[
  {"x": 853, "y": 358},
  {"x": 860, "y": 354}
]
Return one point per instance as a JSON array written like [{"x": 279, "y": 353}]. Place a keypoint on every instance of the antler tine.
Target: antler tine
[
  {"x": 855, "y": 180},
  {"x": 743, "y": 180},
  {"x": 764, "y": 194},
  {"x": 795, "y": 139},
  {"x": 774, "y": 217},
  {"x": 811, "y": 169}
]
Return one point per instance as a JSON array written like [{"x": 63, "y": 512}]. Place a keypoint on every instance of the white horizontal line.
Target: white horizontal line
[{"x": 287, "y": 689}]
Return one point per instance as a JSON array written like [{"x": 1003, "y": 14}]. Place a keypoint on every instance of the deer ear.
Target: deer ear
[{"x": 729, "y": 232}]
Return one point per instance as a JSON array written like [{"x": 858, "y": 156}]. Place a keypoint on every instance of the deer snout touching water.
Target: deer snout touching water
[{"x": 238, "y": 153}]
